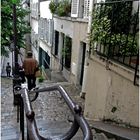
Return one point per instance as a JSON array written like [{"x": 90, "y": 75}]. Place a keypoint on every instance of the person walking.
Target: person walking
[
  {"x": 8, "y": 69},
  {"x": 30, "y": 65}
]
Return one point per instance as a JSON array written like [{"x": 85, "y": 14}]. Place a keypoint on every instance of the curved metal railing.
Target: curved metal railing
[{"x": 79, "y": 121}]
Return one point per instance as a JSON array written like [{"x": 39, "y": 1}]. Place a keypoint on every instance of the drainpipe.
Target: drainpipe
[{"x": 83, "y": 92}]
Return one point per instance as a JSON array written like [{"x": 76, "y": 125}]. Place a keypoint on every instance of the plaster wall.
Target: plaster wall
[
  {"x": 111, "y": 94},
  {"x": 77, "y": 31},
  {"x": 80, "y": 35},
  {"x": 55, "y": 64},
  {"x": 64, "y": 26}
]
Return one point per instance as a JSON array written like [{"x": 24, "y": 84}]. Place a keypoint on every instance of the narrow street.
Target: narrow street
[
  {"x": 50, "y": 110},
  {"x": 52, "y": 114},
  {"x": 87, "y": 56}
]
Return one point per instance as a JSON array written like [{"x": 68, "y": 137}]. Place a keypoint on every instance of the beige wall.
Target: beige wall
[
  {"x": 55, "y": 63},
  {"x": 80, "y": 30},
  {"x": 77, "y": 31},
  {"x": 111, "y": 89}
]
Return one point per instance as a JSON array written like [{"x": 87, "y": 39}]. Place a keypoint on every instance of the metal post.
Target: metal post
[
  {"x": 22, "y": 117},
  {"x": 15, "y": 40},
  {"x": 16, "y": 80}
]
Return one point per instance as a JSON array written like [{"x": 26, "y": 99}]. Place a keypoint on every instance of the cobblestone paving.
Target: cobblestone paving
[
  {"x": 9, "y": 125},
  {"x": 51, "y": 106},
  {"x": 52, "y": 113}
]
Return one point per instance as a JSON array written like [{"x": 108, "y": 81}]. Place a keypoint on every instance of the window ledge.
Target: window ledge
[{"x": 72, "y": 19}]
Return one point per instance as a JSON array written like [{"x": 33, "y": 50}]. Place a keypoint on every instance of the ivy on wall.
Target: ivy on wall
[{"x": 115, "y": 29}]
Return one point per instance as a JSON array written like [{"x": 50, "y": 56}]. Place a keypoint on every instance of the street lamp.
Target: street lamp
[
  {"x": 15, "y": 40},
  {"x": 16, "y": 80}
]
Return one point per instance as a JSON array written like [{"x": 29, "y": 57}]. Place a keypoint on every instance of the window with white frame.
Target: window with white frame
[
  {"x": 86, "y": 8},
  {"x": 34, "y": 10},
  {"x": 46, "y": 30},
  {"x": 80, "y": 8}
]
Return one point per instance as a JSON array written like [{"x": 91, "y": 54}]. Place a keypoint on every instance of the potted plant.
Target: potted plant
[
  {"x": 41, "y": 79},
  {"x": 64, "y": 8},
  {"x": 53, "y": 7}
]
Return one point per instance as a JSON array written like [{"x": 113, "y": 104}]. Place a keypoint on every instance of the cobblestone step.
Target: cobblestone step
[
  {"x": 54, "y": 129},
  {"x": 115, "y": 131},
  {"x": 10, "y": 134},
  {"x": 51, "y": 112}
]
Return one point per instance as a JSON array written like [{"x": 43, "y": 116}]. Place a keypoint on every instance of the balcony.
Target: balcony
[{"x": 74, "y": 8}]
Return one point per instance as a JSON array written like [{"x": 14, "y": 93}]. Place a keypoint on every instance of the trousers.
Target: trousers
[{"x": 31, "y": 81}]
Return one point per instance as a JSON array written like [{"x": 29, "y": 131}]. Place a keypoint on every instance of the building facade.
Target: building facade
[
  {"x": 70, "y": 40},
  {"x": 111, "y": 85},
  {"x": 106, "y": 70},
  {"x": 42, "y": 34}
]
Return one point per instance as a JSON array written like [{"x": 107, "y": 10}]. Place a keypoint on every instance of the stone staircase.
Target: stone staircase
[
  {"x": 56, "y": 129},
  {"x": 10, "y": 134},
  {"x": 48, "y": 125},
  {"x": 46, "y": 129}
]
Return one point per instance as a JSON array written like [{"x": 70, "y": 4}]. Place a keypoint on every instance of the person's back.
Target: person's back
[{"x": 30, "y": 65}]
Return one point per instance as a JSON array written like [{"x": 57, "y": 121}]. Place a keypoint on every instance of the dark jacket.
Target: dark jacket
[{"x": 30, "y": 65}]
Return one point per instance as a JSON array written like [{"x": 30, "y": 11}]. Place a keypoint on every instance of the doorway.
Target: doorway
[{"x": 83, "y": 51}]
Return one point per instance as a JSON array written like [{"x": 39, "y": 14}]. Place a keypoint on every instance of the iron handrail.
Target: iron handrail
[{"x": 79, "y": 120}]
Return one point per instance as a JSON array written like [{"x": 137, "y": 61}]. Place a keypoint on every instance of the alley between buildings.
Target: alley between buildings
[{"x": 51, "y": 112}]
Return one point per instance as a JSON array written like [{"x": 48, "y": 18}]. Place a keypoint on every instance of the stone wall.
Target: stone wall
[{"x": 111, "y": 94}]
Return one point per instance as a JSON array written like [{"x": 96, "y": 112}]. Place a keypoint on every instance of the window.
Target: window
[
  {"x": 77, "y": 8},
  {"x": 56, "y": 42},
  {"x": 66, "y": 51}
]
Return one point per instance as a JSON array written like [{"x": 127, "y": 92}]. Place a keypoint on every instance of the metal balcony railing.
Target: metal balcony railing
[
  {"x": 32, "y": 131},
  {"x": 115, "y": 32}
]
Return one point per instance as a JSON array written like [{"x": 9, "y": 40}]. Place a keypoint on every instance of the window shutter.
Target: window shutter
[
  {"x": 43, "y": 28},
  {"x": 39, "y": 28},
  {"x": 36, "y": 10},
  {"x": 47, "y": 31},
  {"x": 51, "y": 31},
  {"x": 33, "y": 9},
  {"x": 86, "y": 8},
  {"x": 75, "y": 8}
]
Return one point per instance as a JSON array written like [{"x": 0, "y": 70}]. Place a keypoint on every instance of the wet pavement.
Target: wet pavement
[{"x": 51, "y": 112}]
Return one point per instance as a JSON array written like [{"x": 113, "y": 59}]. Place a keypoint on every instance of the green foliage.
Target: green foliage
[
  {"x": 40, "y": 79},
  {"x": 121, "y": 12},
  {"x": 62, "y": 8},
  {"x": 66, "y": 50},
  {"x": 15, "y": 1},
  {"x": 113, "y": 33},
  {"x": 53, "y": 7},
  {"x": 7, "y": 26}
]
